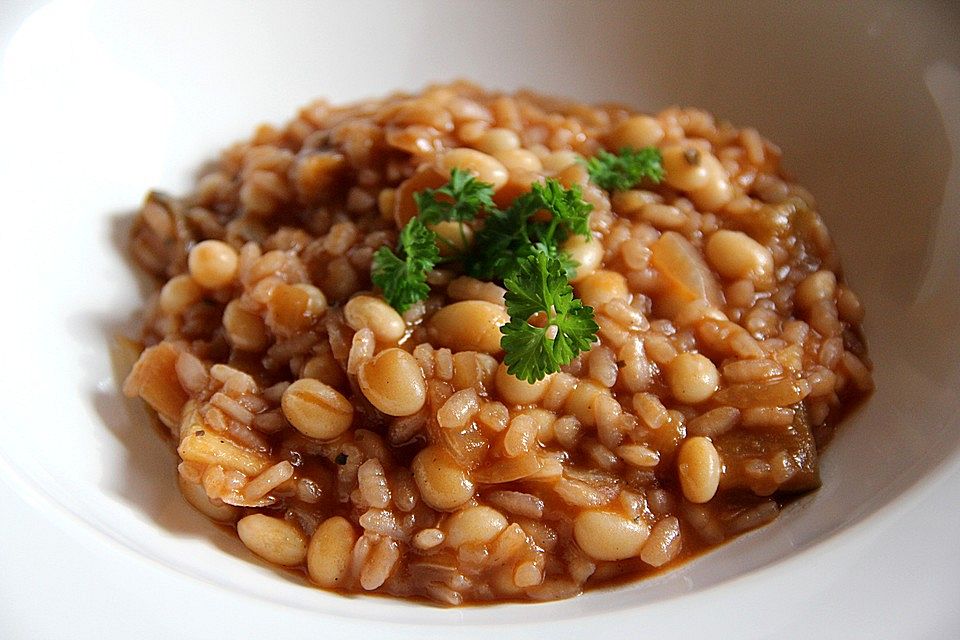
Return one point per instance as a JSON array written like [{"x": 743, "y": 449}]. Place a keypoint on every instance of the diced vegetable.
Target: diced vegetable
[{"x": 684, "y": 275}]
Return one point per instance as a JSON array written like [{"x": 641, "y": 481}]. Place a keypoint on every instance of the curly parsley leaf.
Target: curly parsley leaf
[
  {"x": 619, "y": 172},
  {"x": 539, "y": 287},
  {"x": 568, "y": 210},
  {"x": 403, "y": 277},
  {"x": 496, "y": 246},
  {"x": 508, "y": 236},
  {"x": 461, "y": 199},
  {"x": 553, "y": 251}
]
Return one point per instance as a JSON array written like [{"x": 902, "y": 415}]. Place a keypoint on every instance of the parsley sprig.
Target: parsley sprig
[
  {"x": 520, "y": 246},
  {"x": 507, "y": 236},
  {"x": 538, "y": 288},
  {"x": 461, "y": 199},
  {"x": 619, "y": 172},
  {"x": 403, "y": 277}
]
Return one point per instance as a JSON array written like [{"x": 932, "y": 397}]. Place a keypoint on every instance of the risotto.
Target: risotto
[{"x": 471, "y": 346}]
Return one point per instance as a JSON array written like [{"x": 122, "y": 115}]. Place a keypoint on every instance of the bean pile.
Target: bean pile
[{"x": 380, "y": 451}]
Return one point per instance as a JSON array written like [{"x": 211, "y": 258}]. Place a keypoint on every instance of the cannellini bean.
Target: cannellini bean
[
  {"x": 393, "y": 382},
  {"x": 213, "y": 264},
  {"x": 735, "y": 255},
  {"x": 325, "y": 368},
  {"x": 604, "y": 535},
  {"x": 717, "y": 191},
  {"x": 664, "y": 542},
  {"x": 316, "y": 410},
  {"x": 273, "y": 539},
  {"x": 245, "y": 331},
  {"x": 632, "y": 201},
  {"x": 330, "y": 551},
  {"x": 426, "y": 112},
  {"x": 602, "y": 286},
  {"x": 583, "y": 401},
  {"x": 470, "y": 325},
  {"x": 474, "y": 525},
  {"x": 692, "y": 377},
  {"x": 484, "y": 166},
  {"x": 496, "y": 140},
  {"x": 296, "y": 306},
  {"x": 179, "y": 293},
  {"x": 367, "y": 312},
  {"x": 586, "y": 252},
  {"x": 196, "y": 495},
  {"x": 467, "y": 288},
  {"x": 683, "y": 168},
  {"x": 559, "y": 160},
  {"x": 452, "y": 237},
  {"x": 516, "y": 391},
  {"x": 519, "y": 160},
  {"x": 443, "y": 484},
  {"x": 699, "y": 467},
  {"x": 636, "y": 132}
]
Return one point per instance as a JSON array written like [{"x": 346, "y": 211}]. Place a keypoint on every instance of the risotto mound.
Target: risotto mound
[{"x": 473, "y": 346}]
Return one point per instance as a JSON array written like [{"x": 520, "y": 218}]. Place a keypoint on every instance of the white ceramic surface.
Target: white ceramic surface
[{"x": 100, "y": 101}]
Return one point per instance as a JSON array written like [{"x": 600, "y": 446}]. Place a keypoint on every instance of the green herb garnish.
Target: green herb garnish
[
  {"x": 507, "y": 236},
  {"x": 619, "y": 172},
  {"x": 520, "y": 246},
  {"x": 403, "y": 277},
  {"x": 568, "y": 211},
  {"x": 539, "y": 288},
  {"x": 463, "y": 198}
]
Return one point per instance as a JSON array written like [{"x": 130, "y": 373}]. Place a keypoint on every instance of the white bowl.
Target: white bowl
[{"x": 104, "y": 100}]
